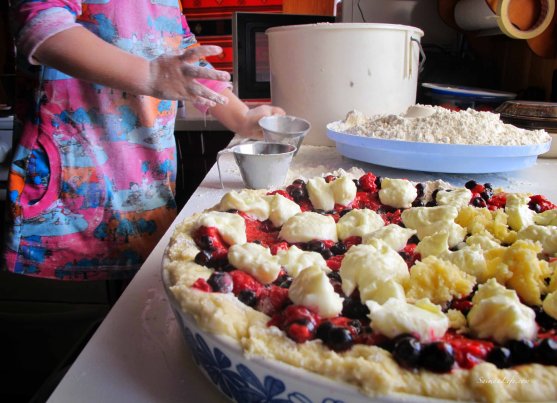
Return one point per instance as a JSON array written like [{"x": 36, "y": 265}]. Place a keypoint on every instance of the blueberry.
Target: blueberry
[
  {"x": 489, "y": 186},
  {"x": 499, "y": 356},
  {"x": 206, "y": 243},
  {"x": 283, "y": 281},
  {"x": 378, "y": 182},
  {"x": 352, "y": 308},
  {"x": 322, "y": 332},
  {"x": 327, "y": 254},
  {"x": 315, "y": 246},
  {"x": 340, "y": 339},
  {"x": 543, "y": 319},
  {"x": 478, "y": 201},
  {"x": 437, "y": 357},
  {"x": 522, "y": 351},
  {"x": 487, "y": 194},
  {"x": 431, "y": 203},
  {"x": 420, "y": 189},
  {"x": 356, "y": 324},
  {"x": 207, "y": 258},
  {"x": 471, "y": 184},
  {"x": 203, "y": 257},
  {"x": 297, "y": 191},
  {"x": 434, "y": 194},
  {"x": 221, "y": 282},
  {"x": 414, "y": 239},
  {"x": 386, "y": 209},
  {"x": 356, "y": 182},
  {"x": 299, "y": 182},
  {"x": 338, "y": 248},
  {"x": 248, "y": 297},
  {"x": 406, "y": 352},
  {"x": 418, "y": 203},
  {"x": 546, "y": 351},
  {"x": 404, "y": 255},
  {"x": 344, "y": 212},
  {"x": 532, "y": 205},
  {"x": 336, "y": 281},
  {"x": 298, "y": 194}
]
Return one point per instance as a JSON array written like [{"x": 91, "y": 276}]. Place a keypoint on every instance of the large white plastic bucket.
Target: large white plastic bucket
[{"x": 320, "y": 72}]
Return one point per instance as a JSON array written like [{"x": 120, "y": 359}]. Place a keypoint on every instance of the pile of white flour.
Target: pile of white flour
[{"x": 435, "y": 124}]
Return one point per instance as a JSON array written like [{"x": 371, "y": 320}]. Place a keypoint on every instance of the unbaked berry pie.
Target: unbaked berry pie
[{"x": 419, "y": 288}]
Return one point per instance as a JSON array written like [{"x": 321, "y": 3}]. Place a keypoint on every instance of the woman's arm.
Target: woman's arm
[
  {"x": 239, "y": 118},
  {"x": 81, "y": 54}
]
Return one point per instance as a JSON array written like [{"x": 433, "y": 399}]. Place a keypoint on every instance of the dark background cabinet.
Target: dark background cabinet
[{"x": 197, "y": 153}]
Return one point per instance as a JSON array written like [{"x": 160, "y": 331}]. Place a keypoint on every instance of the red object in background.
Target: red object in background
[
  {"x": 203, "y": 11},
  {"x": 224, "y": 8},
  {"x": 225, "y": 59}
]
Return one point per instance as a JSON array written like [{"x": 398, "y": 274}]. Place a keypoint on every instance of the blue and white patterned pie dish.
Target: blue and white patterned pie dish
[{"x": 257, "y": 379}]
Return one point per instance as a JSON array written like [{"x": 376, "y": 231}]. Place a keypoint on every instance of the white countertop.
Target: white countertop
[{"x": 138, "y": 354}]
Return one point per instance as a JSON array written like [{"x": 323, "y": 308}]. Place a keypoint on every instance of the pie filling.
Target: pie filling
[{"x": 454, "y": 347}]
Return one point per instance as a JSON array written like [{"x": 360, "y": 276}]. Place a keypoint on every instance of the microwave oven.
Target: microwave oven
[{"x": 251, "y": 76}]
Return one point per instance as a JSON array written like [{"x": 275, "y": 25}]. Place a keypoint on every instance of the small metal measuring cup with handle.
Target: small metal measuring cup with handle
[
  {"x": 262, "y": 165},
  {"x": 284, "y": 129}
]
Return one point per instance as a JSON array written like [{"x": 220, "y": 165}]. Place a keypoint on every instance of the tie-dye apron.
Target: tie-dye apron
[{"x": 92, "y": 179}]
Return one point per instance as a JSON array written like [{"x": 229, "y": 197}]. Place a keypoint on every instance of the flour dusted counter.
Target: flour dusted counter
[{"x": 138, "y": 355}]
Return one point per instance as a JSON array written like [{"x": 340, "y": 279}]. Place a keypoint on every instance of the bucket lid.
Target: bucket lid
[{"x": 342, "y": 26}]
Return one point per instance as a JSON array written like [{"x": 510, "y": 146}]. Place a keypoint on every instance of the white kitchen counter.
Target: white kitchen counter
[{"x": 138, "y": 354}]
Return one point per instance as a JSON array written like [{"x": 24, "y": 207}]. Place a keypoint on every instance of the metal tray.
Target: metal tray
[{"x": 434, "y": 157}]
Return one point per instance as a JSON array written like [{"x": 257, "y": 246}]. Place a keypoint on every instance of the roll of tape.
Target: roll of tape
[{"x": 547, "y": 8}]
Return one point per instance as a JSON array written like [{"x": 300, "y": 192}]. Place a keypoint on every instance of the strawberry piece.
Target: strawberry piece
[
  {"x": 409, "y": 254},
  {"x": 366, "y": 200},
  {"x": 367, "y": 182},
  {"x": 462, "y": 304},
  {"x": 479, "y": 188},
  {"x": 335, "y": 262},
  {"x": 262, "y": 231},
  {"x": 283, "y": 193},
  {"x": 352, "y": 240},
  {"x": 244, "y": 281},
  {"x": 467, "y": 352},
  {"x": 392, "y": 217},
  {"x": 276, "y": 247},
  {"x": 209, "y": 238},
  {"x": 292, "y": 320},
  {"x": 498, "y": 200},
  {"x": 305, "y": 205},
  {"x": 202, "y": 285},
  {"x": 541, "y": 204},
  {"x": 300, "y": 333},
  {"x": 273, "y": 300}
]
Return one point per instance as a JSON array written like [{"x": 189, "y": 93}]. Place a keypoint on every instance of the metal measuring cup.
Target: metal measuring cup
[
  {"x": 284, "y": 129},
  {"x": 262, "y": 165}
]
